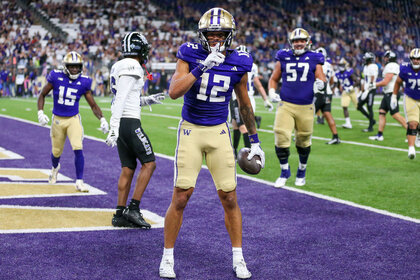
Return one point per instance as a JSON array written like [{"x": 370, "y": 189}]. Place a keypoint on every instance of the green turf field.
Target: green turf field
[{"x": 370, "y": 173}]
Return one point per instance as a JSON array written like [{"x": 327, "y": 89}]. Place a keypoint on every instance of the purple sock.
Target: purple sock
[
  {"x": 79, "y": 162},
  {"x": 55, "y": 161}
]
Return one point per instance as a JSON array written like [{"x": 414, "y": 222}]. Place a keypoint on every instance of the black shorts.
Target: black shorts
[
  {"x": 133, "y": 144},
  {"x": 323, "y": 102},
  {"x": 386, "y": 104},
  {"x": 234, "y": 112}
]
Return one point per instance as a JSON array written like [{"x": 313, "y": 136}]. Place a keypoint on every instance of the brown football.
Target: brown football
[{"x": 249, "y": 166}]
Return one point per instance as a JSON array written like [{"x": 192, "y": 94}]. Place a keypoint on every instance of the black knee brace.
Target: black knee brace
[
  {"x": 282, "y": 153},
  {"x": 303, "y": 151},
  {"x": 411, "y": 131},
  {"x": 382, "y": 113}
]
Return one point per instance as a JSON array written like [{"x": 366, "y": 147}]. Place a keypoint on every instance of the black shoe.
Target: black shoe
[
  {"x": 134, "y": 216},
  {"x": 122, "y": 222},
  {"x": 258, "y": 121},
  {"x": 369, "y": 129},
  {"x": 334, "y": 141},
  {"x": 319, "y": 120}
]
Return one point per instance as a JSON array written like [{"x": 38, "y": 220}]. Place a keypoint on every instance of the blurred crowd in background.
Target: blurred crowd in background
[{"x": 345, "y": 28}]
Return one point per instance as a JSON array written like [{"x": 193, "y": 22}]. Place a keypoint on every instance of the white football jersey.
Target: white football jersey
[
  {"x": 393, "y": 68},
  {"x": 329, "y": 72},
  {"x": 126, "y": 104},
  {"x": 369, "y": 71}
]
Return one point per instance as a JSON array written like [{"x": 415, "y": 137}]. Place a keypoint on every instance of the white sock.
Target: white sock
[
  {"x": 348, "y": 121},
  {"x": 168, "y": 253},
  {"x": 237, "y": 254},
  {"x": 284, "y": 166},
  {"x": 302, "y": 166}
]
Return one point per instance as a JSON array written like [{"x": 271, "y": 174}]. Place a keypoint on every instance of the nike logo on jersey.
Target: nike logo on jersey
[
  {"x": 60, "y": 79},
  {"x": 223, "y": 132},
  {"x": 234, "y": 68},
  {"x": 79, "y": 83},
  {"x": 307, "y": 58},
  {"x": 187, "y": 131}
]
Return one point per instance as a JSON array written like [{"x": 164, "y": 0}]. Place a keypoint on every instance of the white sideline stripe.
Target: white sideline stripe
[
  {"x": 157, "y": 220},
  {"x": 383, "y": 212},
  {"x": 10, "y": 154}
]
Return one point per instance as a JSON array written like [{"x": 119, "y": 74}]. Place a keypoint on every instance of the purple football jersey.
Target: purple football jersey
[
  {"x": 345, "y": 78},
  {"x": 411, "y": 79},
  {"x": 207, "y": 101},
  {"x": 298, "y": 75},
  {"x": 67, "y": 92}
]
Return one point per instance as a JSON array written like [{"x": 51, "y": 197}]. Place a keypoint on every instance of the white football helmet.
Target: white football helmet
[
  {"x": 343, "y": 64},
  {"x": 216, "y": 19},
  {"x": 415, "y": 54},
  {"x": 75, "y": 59},
  {"x": 369, "y": 58},
  {"x": 300, "y": 33},
  {"x": 323, "y": 51},
  {"x": 391, "y": 56}
]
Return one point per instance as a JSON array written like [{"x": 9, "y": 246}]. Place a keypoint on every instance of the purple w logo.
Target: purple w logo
[{"x": 187, "y": 131}]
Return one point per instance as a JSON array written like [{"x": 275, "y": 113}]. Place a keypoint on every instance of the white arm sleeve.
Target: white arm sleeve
[{"x": 125, "y": 83}]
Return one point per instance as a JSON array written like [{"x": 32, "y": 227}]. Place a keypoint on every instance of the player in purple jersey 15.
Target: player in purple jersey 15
[
  {"x": 68, "y": 86},
  {"x": 301, "y": 72},
  {"x": 206, "y": 74},
  {"x": 410, "y": 76}
]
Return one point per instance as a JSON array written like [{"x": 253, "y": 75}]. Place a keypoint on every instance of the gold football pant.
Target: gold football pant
[
  {"x": 211, "y": 142},
  {"x": 62, "y": 127}
]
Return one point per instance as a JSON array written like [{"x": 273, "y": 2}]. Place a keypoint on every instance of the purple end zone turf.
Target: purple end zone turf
[{"x": 286, "y": 235}]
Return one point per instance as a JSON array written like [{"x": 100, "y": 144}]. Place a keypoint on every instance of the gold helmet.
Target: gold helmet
[
  {"x": 343, "y": 64},
  {"x": 297, "y": 34},
  {"x": 216, "y": 19},
  {"x": 415, "y": 54},
  {"x": 72, "y": 58}
]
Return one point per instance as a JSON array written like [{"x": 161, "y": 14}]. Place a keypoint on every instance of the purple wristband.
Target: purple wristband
[
  {"x": 197, "y": 72},
  {"x": 254, "y": 138}
]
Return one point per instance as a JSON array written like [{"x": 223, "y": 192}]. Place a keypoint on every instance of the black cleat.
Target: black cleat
[
  {"x": 319, "y": 120},
  {"x": 369, "y": 129},
  {"x": 334, "y": 141},
  {"x": 122, "y": 222},
  {"x": 134, "y": 216}
]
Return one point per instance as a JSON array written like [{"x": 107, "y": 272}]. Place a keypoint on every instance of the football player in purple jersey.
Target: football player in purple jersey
[
  {"x": 347, "y": 81},
  {"x": 410, "y": 76},
  {"x": 68, "y": 86},
  {"x": 206, "y": 74},
  {"x": 301, "y": 72}
]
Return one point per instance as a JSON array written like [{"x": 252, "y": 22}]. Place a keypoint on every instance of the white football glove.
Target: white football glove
[
  {"x": 112, "y": 138},
  {"x": 213, "y": 59},
  {"x": 274, "y": 97},
  {"x": 319, "y": 86},
  {"x": 152, "y": 99},
  {"x": 42, "y": 118},
  {"x": 104, "y": 126},
  {"x": 256, "y": 150},
  {"x": 268, "y": 105},
  {"x": 364, "y": 95},
  {"x": 394, "y": 102}
]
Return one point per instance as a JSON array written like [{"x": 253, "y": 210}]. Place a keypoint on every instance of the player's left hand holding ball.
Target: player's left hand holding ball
[{"x": 256, "y": 149}]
